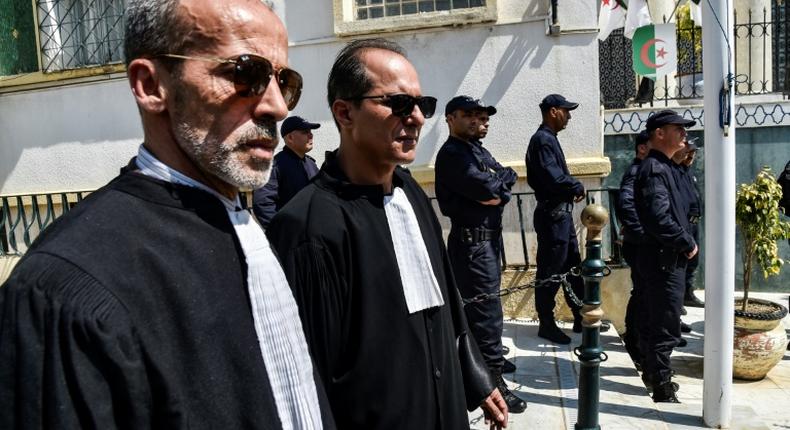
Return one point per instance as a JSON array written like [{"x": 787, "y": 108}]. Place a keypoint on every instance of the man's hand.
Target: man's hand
[
  {"x": 492, "y": 202},
  {"x": 495, "y": 410},
  {"x": 693, "y": 252}
]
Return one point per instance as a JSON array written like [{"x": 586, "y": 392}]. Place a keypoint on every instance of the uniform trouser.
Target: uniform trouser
[
  {"x": 558, "y": 252},
  {"x": 662, "y": 298},
  {"x": 477, "y": 270},
  {"x": 691, "y": 268},
  {"x": 634, "y": 316}
]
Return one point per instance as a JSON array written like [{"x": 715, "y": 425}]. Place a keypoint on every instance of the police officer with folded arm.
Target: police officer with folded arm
[
  {"x": 472, "y": 189},
  {"x": 556, "y": 191},
  {"x": 665, "y": 250},
  {"x": 292, "y": 169}
]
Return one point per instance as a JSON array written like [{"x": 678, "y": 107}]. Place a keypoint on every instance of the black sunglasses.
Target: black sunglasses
[
  {"x": 402, "y": 105},
  {"x": 252, "y": 74}
]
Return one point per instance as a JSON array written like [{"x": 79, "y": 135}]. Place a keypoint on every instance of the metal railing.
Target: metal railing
[
  {"x": 517, "y": 223},
  {"x": 23, "y": 217},
  {"x": 762, "y": 56}
]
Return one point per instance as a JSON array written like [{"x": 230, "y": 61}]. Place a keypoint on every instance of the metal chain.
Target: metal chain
[{"x": 561, "y": 278}]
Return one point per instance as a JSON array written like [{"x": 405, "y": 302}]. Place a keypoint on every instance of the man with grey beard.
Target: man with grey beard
[{"x": 157, "y": 302}]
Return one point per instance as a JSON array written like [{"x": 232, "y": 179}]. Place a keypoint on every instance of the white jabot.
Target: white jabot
[
  {"x": 416, "y": 273},
  {"x": 276, "y": 317}
]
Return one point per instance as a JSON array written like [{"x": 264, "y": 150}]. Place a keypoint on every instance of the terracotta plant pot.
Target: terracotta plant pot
[{"x": 760, "y": 340}]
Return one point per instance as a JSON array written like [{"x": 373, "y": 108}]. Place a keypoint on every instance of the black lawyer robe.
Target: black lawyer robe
[
  {"x": 132, "y": 311},
  {"x": 383, "y": 368}
]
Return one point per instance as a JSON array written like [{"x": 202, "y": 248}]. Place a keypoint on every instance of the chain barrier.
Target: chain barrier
[{"x": 562, "y": 279}]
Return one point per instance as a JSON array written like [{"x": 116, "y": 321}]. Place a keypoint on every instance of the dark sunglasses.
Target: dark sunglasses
[
  {"x": 252, "y": 74},
  {"x": 402, "y": 105}
]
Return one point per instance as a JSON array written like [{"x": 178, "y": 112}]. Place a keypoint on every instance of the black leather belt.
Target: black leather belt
[
  {"x": 478, "y": 234},
  {"x": 550, "y": 206}
]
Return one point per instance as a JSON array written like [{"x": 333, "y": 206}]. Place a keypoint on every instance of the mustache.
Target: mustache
[{"x": 261, "y": 130}]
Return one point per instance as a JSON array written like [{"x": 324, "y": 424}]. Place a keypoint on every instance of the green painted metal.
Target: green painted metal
[
  {"x": 24, "y": 217},
  {"x": 590, "y": 353},
  {"x": 18, "y": 50}
]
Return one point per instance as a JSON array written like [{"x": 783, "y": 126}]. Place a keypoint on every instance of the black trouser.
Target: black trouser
[
  {"x": 558, "y": 252},
  {"x": 664, "y": 288},
  {"x": 634, "y": 316},
  {"x": 691, "y": 268},
  {"x": 477, "y": 270}
]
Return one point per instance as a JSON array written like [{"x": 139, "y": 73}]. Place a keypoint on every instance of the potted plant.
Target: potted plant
[{"x": 760, "y": 339}]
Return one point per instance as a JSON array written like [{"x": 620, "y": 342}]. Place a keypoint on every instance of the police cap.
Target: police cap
[
  {"x": 668, "y": 116},
  {"x": 467, "y": 103},
  {"x": 557, "y": 101},
  {"x": 296, "y": 123}
]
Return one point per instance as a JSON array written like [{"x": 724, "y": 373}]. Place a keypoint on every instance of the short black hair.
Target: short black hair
[{"x": 348, "y": 77}]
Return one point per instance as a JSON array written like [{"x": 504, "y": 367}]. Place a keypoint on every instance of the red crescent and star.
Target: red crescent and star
[{"x": 643, "y": 54}]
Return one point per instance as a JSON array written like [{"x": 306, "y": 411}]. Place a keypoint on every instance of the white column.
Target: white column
[{"x": 718, "y": 61}]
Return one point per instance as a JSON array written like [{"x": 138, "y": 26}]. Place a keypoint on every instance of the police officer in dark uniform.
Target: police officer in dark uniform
[
  {"x": 556, "y": 191},
  {"x": 291, "y": 171},
  {"x": 632, "y": 233},
  {"x": 665, "y": 250},
  {"x": 684, "y": 175},
  {"x": 472, "y": 189}
]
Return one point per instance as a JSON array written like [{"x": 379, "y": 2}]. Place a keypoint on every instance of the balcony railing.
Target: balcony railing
[{"x": 762, "y": 58}]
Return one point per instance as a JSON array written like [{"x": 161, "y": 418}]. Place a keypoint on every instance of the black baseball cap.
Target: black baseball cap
[
  {"x": 558, "y": 101},
  {"x": 668, "y": 116},
  {"x": 467, "y": 103},
  {"x": 296, "y": 123},
  {"x": 641, "y": 139}
]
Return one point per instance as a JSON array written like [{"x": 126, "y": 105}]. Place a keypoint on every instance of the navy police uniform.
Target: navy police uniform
[
  {"x": 632, "y": 233},
  {"x": 663, "y": 213},
  {"x": 467, "y": 174},
  {"x": 687, "y": 184},
  {"x": 290, "y": 173},
  {"x": 555, "y": 189}
]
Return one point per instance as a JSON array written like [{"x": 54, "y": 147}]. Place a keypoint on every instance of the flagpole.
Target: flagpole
[{"x": 718, "y": 68}]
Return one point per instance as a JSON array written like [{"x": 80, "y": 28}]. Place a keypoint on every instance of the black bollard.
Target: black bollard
[{"x": 590, "y": 353}]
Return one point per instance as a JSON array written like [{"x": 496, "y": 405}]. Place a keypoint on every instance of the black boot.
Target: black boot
[
  {"x": 508, "y": 367},
  {"x": 515, "y": 405},
  {"x": 691, "y": 300},
  {"x": 549, "y": 330},
  {"x": 665, "y": 392},
  {"x": 685, "y": 328}
]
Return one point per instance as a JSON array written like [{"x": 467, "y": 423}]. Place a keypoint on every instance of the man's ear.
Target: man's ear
[
  {"x": 145, "y": 79},
  {"x": 341, "y": 110}
]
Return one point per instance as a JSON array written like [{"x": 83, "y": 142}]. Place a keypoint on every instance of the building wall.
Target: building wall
[{"x": 77, "y": 137}]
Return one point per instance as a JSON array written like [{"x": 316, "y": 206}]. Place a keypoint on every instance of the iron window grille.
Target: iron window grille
[
  {"x": 372, "y": 9},
  {"x": 80, "y": 33}
]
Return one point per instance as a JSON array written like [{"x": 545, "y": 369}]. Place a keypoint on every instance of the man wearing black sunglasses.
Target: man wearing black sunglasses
[
  {"x": 363, "y": 253},
  {"x": 472, "y": 189},
  {"x": 157, "y": 302}
]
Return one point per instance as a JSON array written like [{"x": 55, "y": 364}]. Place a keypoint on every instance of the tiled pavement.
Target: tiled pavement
[{"x": 547, "y": 378}]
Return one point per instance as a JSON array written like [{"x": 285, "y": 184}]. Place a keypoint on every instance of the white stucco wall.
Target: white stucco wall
[{"x": 77, "y": 137}]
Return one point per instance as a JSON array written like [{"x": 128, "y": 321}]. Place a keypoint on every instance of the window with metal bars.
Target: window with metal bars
[
  {"x": 80, "y": 33},
  {"x": 372, "y": 9}
]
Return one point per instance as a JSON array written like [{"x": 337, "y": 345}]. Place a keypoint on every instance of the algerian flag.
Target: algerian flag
[
  {"x": 695, "y": 11},
  {"x": 638, "y": 15},
  {"x": 611, "y": 17},
  {"x": 655, "y": 50}
]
